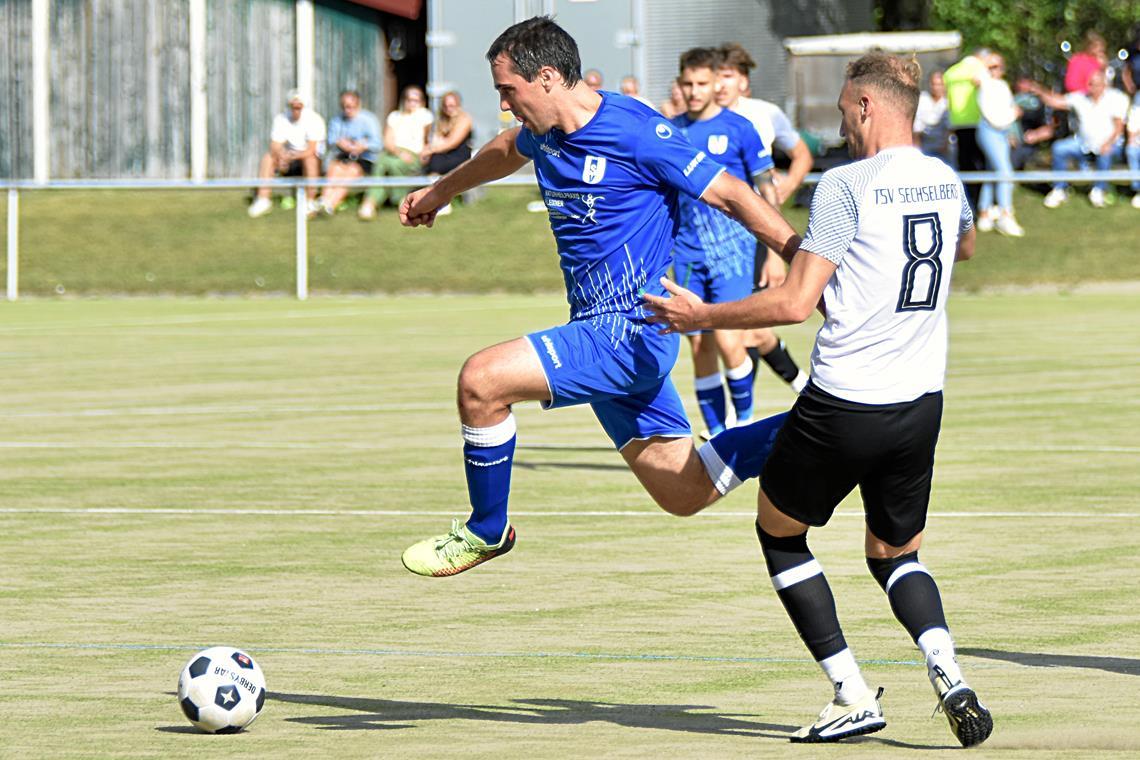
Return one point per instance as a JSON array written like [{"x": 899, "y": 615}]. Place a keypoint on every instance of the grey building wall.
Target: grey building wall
[{"x": 15, "y": 88}]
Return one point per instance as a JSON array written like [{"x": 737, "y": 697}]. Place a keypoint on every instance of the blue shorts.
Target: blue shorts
[
  {"x": 618, "y": 366},
  {"x": 718, "y": 288}
]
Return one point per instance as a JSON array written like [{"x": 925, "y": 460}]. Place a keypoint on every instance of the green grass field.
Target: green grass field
[
  {"x": 182, "y": 473},
  {"x": 84, "y": 243}
]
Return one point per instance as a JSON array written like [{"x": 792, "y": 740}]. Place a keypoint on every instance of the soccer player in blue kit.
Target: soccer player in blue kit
[
  {"x": 714, "y": 255},
  {"x": 610, "y": 170}
]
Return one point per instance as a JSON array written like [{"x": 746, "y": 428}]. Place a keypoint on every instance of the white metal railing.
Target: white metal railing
[{"x": 299, "y": 185}]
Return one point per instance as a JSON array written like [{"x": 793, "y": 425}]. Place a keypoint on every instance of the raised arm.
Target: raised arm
[{"x": 497, "y": 159}]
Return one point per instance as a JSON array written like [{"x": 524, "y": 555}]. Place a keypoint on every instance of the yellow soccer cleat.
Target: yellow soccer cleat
[{"x": 454, "y": 552}]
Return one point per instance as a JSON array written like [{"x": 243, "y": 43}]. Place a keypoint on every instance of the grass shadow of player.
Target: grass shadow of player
[
  {"x": 1121, "y": 665},
  {"x": 570, "y": 466},
  {"x": 388, "y": 714}
]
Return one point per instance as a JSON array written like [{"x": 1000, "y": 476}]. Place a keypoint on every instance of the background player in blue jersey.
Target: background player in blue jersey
[
  {"x": 610, "y": 170},
  {"x": 714, "y": 255}
]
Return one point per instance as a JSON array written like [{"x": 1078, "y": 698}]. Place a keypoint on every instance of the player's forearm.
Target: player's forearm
[
  {"x": 769, "y": 308},
  {"x": 799, "y": 168},
  {"x": 495, "y": 160},
  {"x": 736, "y": 199}
]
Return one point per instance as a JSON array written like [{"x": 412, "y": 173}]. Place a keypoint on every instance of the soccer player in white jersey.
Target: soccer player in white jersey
[
  {"x": 776, "y": 132},
  {"x": 610, "y": 170},
  {"x": 882, "y": 239}
]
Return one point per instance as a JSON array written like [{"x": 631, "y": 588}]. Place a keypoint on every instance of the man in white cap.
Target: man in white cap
[{"x": 295, "y": 145}]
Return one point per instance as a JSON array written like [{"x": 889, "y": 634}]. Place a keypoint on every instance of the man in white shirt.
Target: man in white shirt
[
  {"x": 296, "y": 142},
  {"x": 871, "y": 414},
  {"x": 1100, "y": 134}
]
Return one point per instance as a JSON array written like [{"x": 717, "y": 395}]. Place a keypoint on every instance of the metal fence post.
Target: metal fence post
[
  {"x": 13, "y": 244},
  {"x": 302, "y": 244}
]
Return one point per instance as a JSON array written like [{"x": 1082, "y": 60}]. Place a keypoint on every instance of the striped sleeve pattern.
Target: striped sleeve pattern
[
  {"x": 834, "y": 219},
  {"x": 967, "y": 219}
]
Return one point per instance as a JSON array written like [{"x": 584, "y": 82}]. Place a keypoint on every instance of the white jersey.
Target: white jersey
[
  {"x": 891, "y": 225},
  {"x": 296, "y": 135},
  {"x": 772, "y": 123}
]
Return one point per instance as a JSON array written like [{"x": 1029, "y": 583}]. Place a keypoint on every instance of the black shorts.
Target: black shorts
[
  {"x": 828, "y": 446},
  {"x": 364, "y": 163},
  {"x": 759, "y": 259},
  {"x": 294, "y": 169}
]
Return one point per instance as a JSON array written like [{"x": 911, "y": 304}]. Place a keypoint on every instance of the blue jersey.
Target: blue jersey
[
  {"x": 706, "y": 235},
  {"x": 611, "y": 191}
]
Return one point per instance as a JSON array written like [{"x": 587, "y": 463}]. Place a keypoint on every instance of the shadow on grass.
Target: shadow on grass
[
  {"x": 615, "y": 467},
  {"x": 388, "y": 714},
  {"x": 1122, "y": 665}
]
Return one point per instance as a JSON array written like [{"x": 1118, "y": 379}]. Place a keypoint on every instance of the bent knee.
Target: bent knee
[
  {"x": 680, "y": 505},
  {"x": 475, "y": 385}
]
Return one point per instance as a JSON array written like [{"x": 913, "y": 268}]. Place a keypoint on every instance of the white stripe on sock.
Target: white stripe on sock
[
  {"x": 496, "y": 435},
  {"x": 907, "y": 569},
  {"x": 741, "y": 372},
  {"x": 708, "y": 382},
  {"x": 722, "y": 476},
  {"x": 794, "y": 575}
]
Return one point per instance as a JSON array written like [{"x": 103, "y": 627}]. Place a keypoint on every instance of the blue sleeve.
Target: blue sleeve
[
  {"x": 524, "y": 141},
  {"x": 757, "y": 158},
  {"x": 667, "y": 156},
  {"x": 336, "y": 126}
]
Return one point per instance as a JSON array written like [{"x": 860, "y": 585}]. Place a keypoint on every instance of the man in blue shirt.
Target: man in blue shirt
[
  {"x": 714, "y": 255},
  {"x": 610, "y": 170},
  {"x": 354, "y": 139}
]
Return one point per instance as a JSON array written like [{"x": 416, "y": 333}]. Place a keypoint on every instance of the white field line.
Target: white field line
[
  {"x": 273, "y": 512},
  {"x": 434, "y": 307},
  {"x": 403, "y": 444},
  {"x": 226, "y": 409}
]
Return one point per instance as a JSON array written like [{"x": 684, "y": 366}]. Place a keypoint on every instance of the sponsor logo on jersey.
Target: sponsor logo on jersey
[
  {"x": 692, "y": 165},
  {"x": 663, "y": 131},
  {"x": 718, "y": 144},
  {"x": 594, "y": 170},
  {"x": 591, "y": 201},
  {"x": 549, "y": 150}
]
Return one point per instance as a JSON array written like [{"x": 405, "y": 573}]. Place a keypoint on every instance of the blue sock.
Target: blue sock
[
  {"x": 487, "y": 457},
  {"x": 739, "y": 453},
  {"x": 710, "y": 396},
  {"x": 740, "y": 388}
]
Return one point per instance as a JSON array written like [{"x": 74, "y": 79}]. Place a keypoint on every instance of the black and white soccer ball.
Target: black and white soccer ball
[{"x": 221, "y": 690}]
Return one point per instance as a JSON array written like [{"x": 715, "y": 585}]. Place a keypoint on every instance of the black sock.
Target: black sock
[
  {"x": 782, "y": 362},
  {"x": 754, "y": 355},
  {"x": 804, "y": 591},
  {"x": 913, "y": 594}
]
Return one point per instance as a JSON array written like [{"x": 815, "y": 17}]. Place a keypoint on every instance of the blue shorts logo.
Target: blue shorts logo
[{"x": 548, "y": 344}]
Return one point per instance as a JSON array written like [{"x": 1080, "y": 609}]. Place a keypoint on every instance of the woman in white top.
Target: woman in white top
[
  {"x": 405, "y": 135},
  {"x": 995, "y": 100}
]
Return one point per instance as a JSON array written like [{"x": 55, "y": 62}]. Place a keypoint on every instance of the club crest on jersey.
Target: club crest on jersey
[
  {"x": 718, "y": 144},
  {"x": 594, "y": 170}
]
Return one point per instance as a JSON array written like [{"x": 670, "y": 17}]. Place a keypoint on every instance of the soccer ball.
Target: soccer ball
[{"x": 221, "y": 690}]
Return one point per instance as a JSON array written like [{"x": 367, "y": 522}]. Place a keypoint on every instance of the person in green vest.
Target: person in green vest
[{"x": 962, "y": 83}]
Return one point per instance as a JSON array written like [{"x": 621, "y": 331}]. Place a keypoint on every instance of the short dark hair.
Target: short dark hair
[
  {"x": 736, "y": 57},
  {"x": 538, "y": 42},
  {"x": 700, "y": 58},
  {"x": 350, "y": 93},
  {"x": 894, "y": 77}
]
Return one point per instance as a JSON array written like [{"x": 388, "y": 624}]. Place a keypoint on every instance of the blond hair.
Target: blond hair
[{"x": 891, "y": 76}]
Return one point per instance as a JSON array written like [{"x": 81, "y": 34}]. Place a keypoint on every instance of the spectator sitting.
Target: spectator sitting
[
  {"x": 405, "y": 135},
  {"x": 932, "y": 121},
  {"x": 1130, "y": 75},
  {"x": 1091, "y": 59},
  {"x": 1101, "y": 114},
  {"x": 295, "y": 145},
  {"x": 354, "y": 137},
  {"x": 450, "y": 145},
  {"x": 593, "y": 79},
  {"x": 995, "y": 101},
  {"x": 675, "y": 105},
  {"x": 630, "y": 87},
  {"x": 1035, "y": 127}
]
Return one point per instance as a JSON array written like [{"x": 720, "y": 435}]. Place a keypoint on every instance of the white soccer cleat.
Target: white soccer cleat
[
  {"x": 1096, "y": 198},
  {"x": 1056, "y": 197},
  {"x": 260, "y": 207},
  {"x": 842, "y": 721}
]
